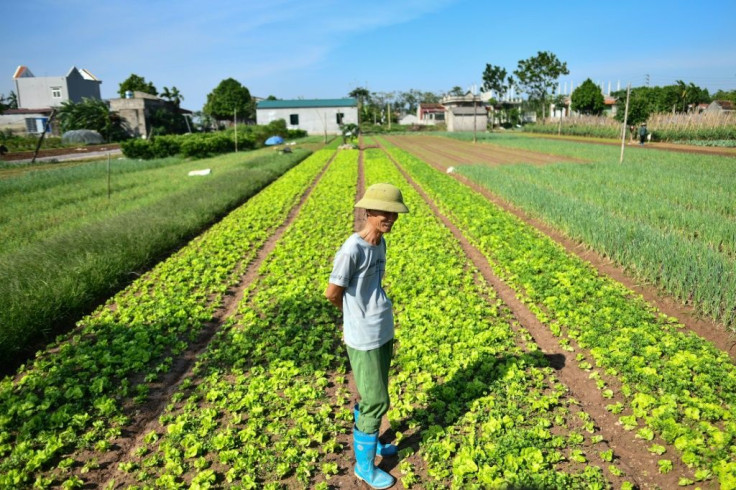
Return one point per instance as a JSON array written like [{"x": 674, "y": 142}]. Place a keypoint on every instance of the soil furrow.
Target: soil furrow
[
  {"x": 708, "y": 329},
  {"x": 639, "y": 464},
  {"x": 146, "y": 416}
]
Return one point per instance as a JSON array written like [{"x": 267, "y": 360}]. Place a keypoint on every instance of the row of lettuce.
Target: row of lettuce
[
  {"x": 200, "y": 145},
  {"x": 71, "y": 398},
  {"x": 76, "y": 245},
  {"x": 676, "y": 390},
  {"x": 268, "y": 404}
]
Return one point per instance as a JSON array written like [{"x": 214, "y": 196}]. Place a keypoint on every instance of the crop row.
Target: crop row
[
  {"x": 688, "y": 252},
  {"x": 72, "y": 396},
  {"x": 269, "y": 398},
  {"x": 477, "y": 396},
  {"x": 675, "y": 388}
]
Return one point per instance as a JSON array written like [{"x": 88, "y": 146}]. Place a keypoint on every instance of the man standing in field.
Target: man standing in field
[{"x": 368, "y": 324}]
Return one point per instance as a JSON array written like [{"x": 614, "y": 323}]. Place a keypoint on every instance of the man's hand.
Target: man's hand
[{"x": 334, "y": 294}]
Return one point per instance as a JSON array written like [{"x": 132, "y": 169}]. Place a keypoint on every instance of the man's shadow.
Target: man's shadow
[{"x": 450, "y": 400}]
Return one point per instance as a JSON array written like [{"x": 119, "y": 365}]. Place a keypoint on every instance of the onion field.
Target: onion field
[{"x": 516, "y": 363}]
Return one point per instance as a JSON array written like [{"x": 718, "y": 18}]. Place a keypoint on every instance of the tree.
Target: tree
[
  {"x": 690, "y": 95},
  {"x": 9, "y": 102},
  {"x": 172, "y": 95},
  {"x": 136, "y": 83},
  {"x": 538, "y": 74},
  {"x": 495, "y": 79},
  {"x": 588, "y": 99},
  {"x": 639, "y": 106},
  {"x": 91, "y": 114},
  {"x": 720, "y": 95},
  {"x": 229, "y": 96},
  {"x": 363, "y": 95},
  {"x": 456, "y": 92}
]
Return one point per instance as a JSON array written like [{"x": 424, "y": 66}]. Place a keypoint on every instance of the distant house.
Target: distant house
[
  {"x": 38, "y": 96},
  {"x": 609, "y": 108},
  {"x": 43, "y": 92},
  {"x": 430, "y": 114},
  {"x": 720, "y": 106},
  {"x": 315, "y": 116},
  {"x": 465, "y": 113},
  {"x": 136, "y": 109}
]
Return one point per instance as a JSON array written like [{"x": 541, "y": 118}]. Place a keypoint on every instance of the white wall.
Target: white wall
[{"x": 313, "y": 120}]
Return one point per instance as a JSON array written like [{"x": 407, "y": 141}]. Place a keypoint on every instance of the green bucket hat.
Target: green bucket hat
[{"x": 383, "y": 197}]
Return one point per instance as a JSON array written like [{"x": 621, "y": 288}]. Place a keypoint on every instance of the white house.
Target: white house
[
  {"x": 37, "y": 96},
  {"x": 43, "y": 92},
  {"x": 315, "y": 116}
]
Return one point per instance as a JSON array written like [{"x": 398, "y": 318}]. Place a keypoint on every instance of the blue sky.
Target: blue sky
[{"x": 325, "y": 48}]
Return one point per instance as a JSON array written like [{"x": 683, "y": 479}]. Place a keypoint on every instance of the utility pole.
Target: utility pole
[
  {"x": 626, "y": 117},
  {"x": 235, "y": 118},
  {"x": 475, "y": 117}
]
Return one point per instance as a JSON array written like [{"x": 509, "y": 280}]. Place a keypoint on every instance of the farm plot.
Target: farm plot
[
  {"x": 671, "y": 387},
  {"x": 65, "y": 246},
  {"x": 668, "y": 220},
  {"x": 80, "y": 393},
  {"x": 265, "y": 400},
  {"x": 268, "y": 405}
]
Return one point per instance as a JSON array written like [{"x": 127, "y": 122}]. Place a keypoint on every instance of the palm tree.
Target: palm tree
[{"x": 176, "y": 96}]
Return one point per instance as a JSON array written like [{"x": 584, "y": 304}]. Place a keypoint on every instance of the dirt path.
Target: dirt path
[
  {"x": 708, "y": 329},
  {"x": 145, "y": 418},
  {"x": 447, "y": 152},
  {"x": 639, "y": 464}
]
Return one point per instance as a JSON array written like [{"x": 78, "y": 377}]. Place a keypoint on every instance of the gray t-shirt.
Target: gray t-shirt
[{"x": 367, "y": 316}]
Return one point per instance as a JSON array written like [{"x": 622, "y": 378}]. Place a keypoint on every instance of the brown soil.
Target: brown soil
[
  {"x": 446, "y": 152},
  {"x": 53, "y": 152}
]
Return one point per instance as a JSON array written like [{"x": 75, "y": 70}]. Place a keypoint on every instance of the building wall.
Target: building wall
[
  {"x": 79, "y": 88},
  {"x": 313, "y": 120},
  {"x": 135, "y": 110},
  {"x": 38, "y": 92},
  {"x": 466, "y": 122}
]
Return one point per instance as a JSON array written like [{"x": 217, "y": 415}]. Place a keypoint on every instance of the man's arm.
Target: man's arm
[{"x": 334, "y": 294}]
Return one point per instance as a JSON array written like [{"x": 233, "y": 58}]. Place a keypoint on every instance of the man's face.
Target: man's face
[{"x": 382, "y": 221}]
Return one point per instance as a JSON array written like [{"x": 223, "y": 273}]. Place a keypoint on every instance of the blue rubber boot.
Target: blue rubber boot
[
  {"x": 381, "y": 449},
  {"x": 364, "y": 446}
]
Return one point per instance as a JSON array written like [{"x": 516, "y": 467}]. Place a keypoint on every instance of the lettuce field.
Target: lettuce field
[{"x": 517, "y": 364}]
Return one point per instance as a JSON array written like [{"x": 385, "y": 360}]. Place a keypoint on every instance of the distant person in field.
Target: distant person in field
[
  {"x": 643, "y": 133},
  {"x": 368, "y": 324}
]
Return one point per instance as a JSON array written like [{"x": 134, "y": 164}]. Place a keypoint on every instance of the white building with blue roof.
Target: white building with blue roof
[{"x": 315, "y": 116}]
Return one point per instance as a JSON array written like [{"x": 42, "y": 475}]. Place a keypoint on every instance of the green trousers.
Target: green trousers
[{"x": 370, "y": 371}]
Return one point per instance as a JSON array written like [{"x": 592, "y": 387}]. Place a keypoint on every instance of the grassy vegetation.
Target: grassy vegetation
[
  {"x": 645, "y": 214},
  {"x": 663, "y": 127},
  {"x": 66, "y": 246}
]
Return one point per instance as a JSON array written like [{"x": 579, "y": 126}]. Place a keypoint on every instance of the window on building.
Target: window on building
[
  {"x": 294, "y": 119},
  {"x": 339, "y": 117},
  {"x": 56, "y": 92}
]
